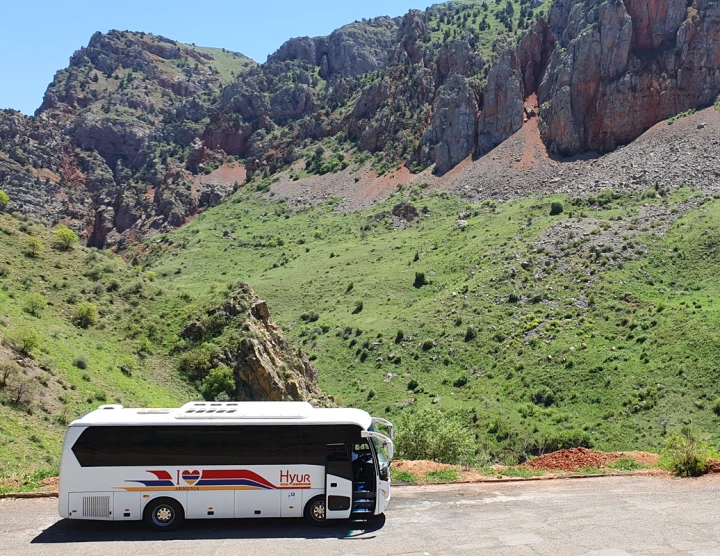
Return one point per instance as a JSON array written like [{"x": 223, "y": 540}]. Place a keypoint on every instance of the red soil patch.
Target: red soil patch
[
  {"x": 50, "y": 483},
  {"x": 230, "y": 173},
  {"x": 581, "y": 458},
  {"x": 714, "y": 466}
]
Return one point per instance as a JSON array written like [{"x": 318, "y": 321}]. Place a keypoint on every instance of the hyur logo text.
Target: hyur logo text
[{"x": 294, "y": 478}]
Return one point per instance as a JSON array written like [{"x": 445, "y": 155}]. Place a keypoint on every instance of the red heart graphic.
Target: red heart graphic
[{"x": 191, "y": 473}]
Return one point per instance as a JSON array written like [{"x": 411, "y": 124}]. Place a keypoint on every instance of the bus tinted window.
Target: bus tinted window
[{"x": 107, "y": 446}]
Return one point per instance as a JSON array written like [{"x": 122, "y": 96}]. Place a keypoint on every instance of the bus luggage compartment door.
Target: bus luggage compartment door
[{"x": 338, "y": 482}]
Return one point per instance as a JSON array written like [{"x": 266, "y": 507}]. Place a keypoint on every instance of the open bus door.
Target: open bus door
[{"x": 338, "y": 482}]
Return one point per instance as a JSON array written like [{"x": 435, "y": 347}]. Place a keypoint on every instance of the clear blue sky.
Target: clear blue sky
[{"x": 37, "y": 37}]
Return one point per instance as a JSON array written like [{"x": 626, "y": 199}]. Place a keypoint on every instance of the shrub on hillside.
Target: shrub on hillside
[
  {"x": 399, "y": 337},
  {"x": 470, "y": 334},
  {"x": 428, "y": 434},
  {"x": 80, "y": 361},
  {"x": 34, "y": 304},
  {"x": 195, "y": 364},
  {"x": 219, "y": 384},
  {"x": 86, "y": 314},
  {"x": 33, "y": 247},
  {"x": 556, "y": 208},
  {"x": 7, "y": 370},
  {"x": 420, "y": 280},
  {"x": 65, "y": 238},
  {"x": 686, "y": 454},
  {"x": 4, "y": 199},
  {"x": 25, "y": 341}
]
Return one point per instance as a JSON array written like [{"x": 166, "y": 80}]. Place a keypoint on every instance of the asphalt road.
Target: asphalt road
[{"x": 609, "y": 516}]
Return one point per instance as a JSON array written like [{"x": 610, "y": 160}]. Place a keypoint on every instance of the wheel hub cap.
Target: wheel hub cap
[
  {"x": 319, "y": 511},
  {"x": 164, "y": 514}
]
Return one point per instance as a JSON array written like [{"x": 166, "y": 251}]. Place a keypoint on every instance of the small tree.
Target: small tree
[
  {"x": 34, "y": 304},
  {"x": 420, "y": 280},
  {"x": 65, "y": 238},
  {"x": 86, "y": 314},
  {"x": 25, "y": 341},
  {"x": 7, "y": 370},
  {"x": 4, "y": 199},
  {"x": 34, "y": 247}
]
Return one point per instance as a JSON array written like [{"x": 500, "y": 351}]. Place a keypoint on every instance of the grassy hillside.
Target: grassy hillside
[
  {"x": 69, "y": 366},
  {"x": 596, "y": 326}
]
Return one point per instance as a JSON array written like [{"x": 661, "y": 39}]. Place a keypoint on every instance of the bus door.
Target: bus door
[{"x": 338, "y": 482}]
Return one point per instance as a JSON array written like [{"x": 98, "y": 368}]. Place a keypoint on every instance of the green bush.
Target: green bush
[
  {"x": 686, "y": 454},
  {"x": 34, "y": 304},
  {"x": 195, "y": 364},
  {"x": 399, "y": 337},
  {"x": 80, "y": 361},
  {"x": 4, "y": 199},
  {"x": 33, "y": 247},
  {"x": 25, "y": 341},
  {"x": 218, "y": 382},
  {"x": 556, "y": 208},
  {"x": 428, "y": 434},
  {"x": 716, "y": 407},
  {"x": 420, "y": 280},
  {"x": 86, "y": 314},
  {"x": 65, "y": 238},
  {"x": 470, "y": 334}
]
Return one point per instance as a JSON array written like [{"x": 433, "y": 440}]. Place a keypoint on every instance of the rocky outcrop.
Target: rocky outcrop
[
  {"x": 264, "y": 364},
  {"x": 621, "y": 67},
  {"x": 502, "y": 109},
  {"x": 451, "y": 137}
]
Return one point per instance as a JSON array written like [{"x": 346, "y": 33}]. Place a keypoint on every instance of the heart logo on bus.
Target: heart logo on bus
[{"x": 191, "y": 477}]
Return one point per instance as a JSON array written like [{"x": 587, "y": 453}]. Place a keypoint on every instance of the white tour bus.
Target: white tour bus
[{"x": 211, "y": 460}]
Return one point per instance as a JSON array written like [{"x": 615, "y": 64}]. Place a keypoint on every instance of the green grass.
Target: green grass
[
  {"x": 642, "y": 305},
  {"x": 512, "y": 472},
  {"x": 626, "y": 464},
  {"x": 449, "y": 475},
  {"x": 228, "y": 64},
  {"x": 404, "y": 476},
  {"x": 126, "y": 334}
]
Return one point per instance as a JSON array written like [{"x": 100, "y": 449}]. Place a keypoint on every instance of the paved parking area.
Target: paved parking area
[{"x": 609, "y": 516}]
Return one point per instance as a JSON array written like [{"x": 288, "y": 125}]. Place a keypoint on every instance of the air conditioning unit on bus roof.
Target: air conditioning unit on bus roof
[{"x": 244, "y": 410}]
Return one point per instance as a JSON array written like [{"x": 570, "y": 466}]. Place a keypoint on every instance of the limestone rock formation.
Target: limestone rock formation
[
  {"x": 454, "y": 124},
  {"x": 502, "y": 111},
  {"x": 265, "y": 365}
]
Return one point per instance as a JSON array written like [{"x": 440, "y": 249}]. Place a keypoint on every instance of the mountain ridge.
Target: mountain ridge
[{"x": 140, "y": 132}]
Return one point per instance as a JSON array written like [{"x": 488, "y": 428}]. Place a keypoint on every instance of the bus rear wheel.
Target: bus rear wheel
[
  {"x": 315, "y": 512},
  {"x": 164, "y": 514}
]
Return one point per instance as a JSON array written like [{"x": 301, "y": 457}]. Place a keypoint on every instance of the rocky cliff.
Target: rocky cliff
[
  {"x": 140, "y": 132},
  {"x": 246, "y": 342}
]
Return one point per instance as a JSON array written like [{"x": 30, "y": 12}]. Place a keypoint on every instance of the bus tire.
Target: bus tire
[
  {"x": 164, "y": 514},
  {"x": 315, "y": 511}
]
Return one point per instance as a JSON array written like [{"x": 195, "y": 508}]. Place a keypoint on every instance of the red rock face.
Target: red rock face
[
  {"x": 655, "y": 21},
  {"x": 623, "y": 67}
]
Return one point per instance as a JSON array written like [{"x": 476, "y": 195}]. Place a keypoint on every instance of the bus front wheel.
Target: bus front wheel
[
  {"x": 315, "y": 512},
  {"x": 164, "y": 514}
]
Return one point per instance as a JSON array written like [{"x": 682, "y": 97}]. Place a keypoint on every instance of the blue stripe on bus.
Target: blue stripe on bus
[
  {"x": 154, "y": 483},
  {"x": 231, "y": 482}
]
